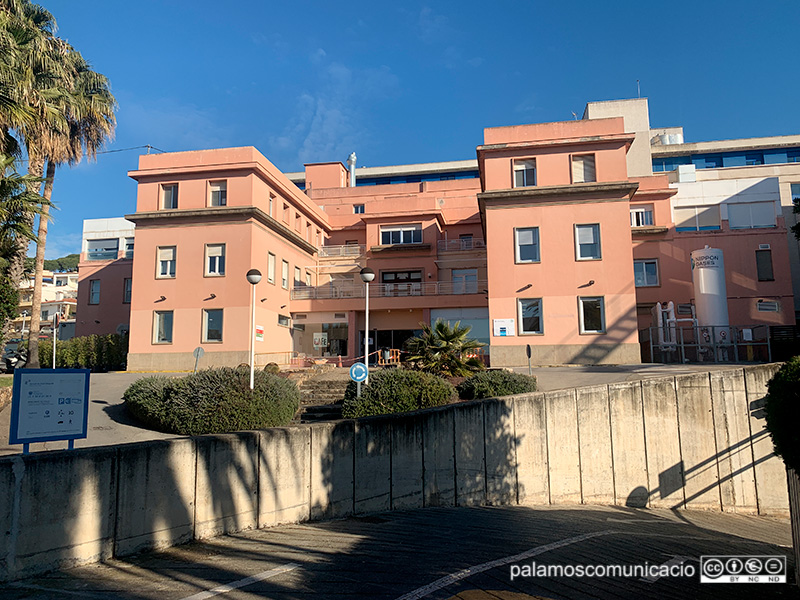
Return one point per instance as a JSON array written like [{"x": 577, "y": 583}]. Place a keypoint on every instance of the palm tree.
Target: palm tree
[{"x": 444, "y": 350}]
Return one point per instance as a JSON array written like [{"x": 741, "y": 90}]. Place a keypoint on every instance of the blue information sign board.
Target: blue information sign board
[{"x": 358, "y": 372}]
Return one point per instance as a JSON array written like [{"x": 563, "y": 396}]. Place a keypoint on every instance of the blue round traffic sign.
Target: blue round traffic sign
[{"x": 358, "y": 372}]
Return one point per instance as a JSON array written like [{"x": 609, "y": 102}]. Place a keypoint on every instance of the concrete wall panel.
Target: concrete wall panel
[
  {"x": 664, "y": 464},
  {"x": 771, "y": 488},
  {"x": 407, "y": 461},
  {"x": 628, "y": 444},
  {"x": 9, "y": 505},
  {"x": 530, "y": 425},
  {"x": 156, "y": 495},
  {"x": 373, "y": 445},
  {"x": 469, "y": 453},
  {"x": 594, "y": 433},
  {"x": 501, "y": 451},
  {"x": 698, "y": 448},
  {"x": 332, "y": 469},
  {"x": 734, "y": 448},
  {"x": 284, "y": 478},
  {"x": 439, "y": 457},
  {"x": 563, "y": 447},
  {"x": 227, "y": 483}
]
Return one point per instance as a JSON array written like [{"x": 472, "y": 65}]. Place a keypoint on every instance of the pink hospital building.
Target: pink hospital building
[{"x": 584, "y": 241}]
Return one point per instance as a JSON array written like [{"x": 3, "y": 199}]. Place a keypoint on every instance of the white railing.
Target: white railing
[
  {"x": 346, "y": 250},
  {"x": 389, "y": 290},
  {"x": 460, "y": 245}
]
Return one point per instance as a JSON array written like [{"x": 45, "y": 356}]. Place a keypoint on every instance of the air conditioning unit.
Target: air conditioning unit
[{"x": 768, "y": 306}]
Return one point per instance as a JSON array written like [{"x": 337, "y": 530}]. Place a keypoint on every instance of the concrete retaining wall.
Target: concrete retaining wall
[{"x": 693, "y": 441}]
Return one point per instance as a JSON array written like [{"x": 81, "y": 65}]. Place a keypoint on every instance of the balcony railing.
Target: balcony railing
[
  {"x": 389, "y": 290},
  {"x": 347, "y": 250},
  {"x": 460, "y": 245}
]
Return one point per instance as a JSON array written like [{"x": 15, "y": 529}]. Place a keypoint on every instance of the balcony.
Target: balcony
[
  {"x": 460, "y": 245},
  {"x": 389, "y": 290},
  {"x": 339, "y": 251}
]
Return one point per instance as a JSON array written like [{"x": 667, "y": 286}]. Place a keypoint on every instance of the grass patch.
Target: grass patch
[{"x": 6, "y": 381}]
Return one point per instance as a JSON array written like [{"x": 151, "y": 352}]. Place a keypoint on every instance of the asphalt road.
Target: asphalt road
[{"x": 438, "y": 554}]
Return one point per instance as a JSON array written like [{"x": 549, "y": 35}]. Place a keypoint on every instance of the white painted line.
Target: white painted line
[
  {"x": 222, "y": 589},
  {"x": 678, "y": 560},
  {"x": 468, "y": 572}
]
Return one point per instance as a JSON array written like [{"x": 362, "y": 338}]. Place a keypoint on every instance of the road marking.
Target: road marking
[
  {"x": 487, "y": 566},
  {"x": 678, "y": 560},
  {"x": 222, "y": 589}
]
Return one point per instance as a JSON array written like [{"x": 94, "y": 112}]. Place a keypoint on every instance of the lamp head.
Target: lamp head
[
  {"x": 253, "y": 276},
  {"x": 367, "y": 274}
]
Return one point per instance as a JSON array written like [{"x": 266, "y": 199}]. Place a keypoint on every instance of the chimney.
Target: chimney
[{"x": 351, "y": 164}]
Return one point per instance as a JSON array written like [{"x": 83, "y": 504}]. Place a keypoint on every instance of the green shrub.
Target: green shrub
[
  {"x": 95, "y": 352},
  {"x": 213, "y": 401},
  {"x": 490, "y": 384},
  {"x": 272, "y": 368},
  {"x": 783, "y": 412},
  {"x": 396, "y": 390}
]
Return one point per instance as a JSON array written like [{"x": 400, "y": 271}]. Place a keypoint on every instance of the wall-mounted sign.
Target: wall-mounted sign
[
  {"x": 503, "y": 327},
  {"x": 259, "y": 333},
  {"x": 48, "y": 405}
]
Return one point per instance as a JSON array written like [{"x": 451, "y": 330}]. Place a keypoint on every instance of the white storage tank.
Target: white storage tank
[{"x": 710, "y": 294}]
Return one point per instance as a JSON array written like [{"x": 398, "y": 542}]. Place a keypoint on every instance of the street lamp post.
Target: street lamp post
[
  {"x": 253, "y": 277},
  {"x": 22, "y": 332},
  {"x": 367, "y": 275}
]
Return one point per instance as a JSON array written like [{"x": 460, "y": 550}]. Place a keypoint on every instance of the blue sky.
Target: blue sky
[{"x": 409, "y": 82}]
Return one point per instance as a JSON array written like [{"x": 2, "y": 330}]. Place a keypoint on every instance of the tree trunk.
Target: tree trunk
[{"x": 36, "y": 308}]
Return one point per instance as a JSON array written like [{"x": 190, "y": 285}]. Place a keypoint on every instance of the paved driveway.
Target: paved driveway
[{"x": 438, "y": 554}]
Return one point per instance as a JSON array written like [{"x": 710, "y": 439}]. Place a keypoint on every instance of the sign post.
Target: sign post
[
  {"x": 358, "y": 373},
  {"x": 49, "y": 405},
  {"x": 56, "y": 321},
  {"x": 528, "y": 352},
  {"x": 198, "y": 354}
]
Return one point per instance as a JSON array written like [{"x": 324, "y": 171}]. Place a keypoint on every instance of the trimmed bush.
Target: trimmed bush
[
  {"x": 96, "y": 352},
  {"x": 213, "y": 401},
  {"x": 396, "y": 390},
  {"x": 491, "y": 384},
  {"x": 272, "y": 368},
  {"x": 783, "y": 412}
]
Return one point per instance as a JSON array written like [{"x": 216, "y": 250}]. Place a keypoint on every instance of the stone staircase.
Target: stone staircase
[{"x": 321, "y": 399}]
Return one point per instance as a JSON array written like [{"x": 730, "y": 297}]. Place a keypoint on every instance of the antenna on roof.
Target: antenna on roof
[
  {"x": 638, "y": 89},
  {"x": 574, "y": 115}
]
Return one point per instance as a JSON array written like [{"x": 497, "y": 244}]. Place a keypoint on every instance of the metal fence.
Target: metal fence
[
  {"x": 389, "y": 290},
  {"x": 711, "y": 344}
]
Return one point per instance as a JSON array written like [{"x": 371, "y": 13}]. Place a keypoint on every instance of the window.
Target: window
[
  {"x": 162, "y": 327},
  {"x": 271, "y": 268},
  {"x": 169, "y": 196},
  {"x": 358, "y": 209},
  {"x": 402, "y": 283},
  {"x": 271, "y": 205},
  {"x": 106, "y": 249},
  {"x": 697, "y": 218},
  {"x": 753, "y": 159},
  {"x": 466, "y": 241},
  {"x": 768, "y": 306},
  {"x": 401, "y": 234},
  {"x": 793, "y": 156},
  {"x": 530, "y": 315},
  {"x": 465, "y": 281},
  {"x": 583, "y": 169},
  {"x": 591, "y": 313},
  {"x": 524, "y": 173},
  {"x": 212, "y": 325},
  {"x": 166, "y": 262},
  {"x": 764, "y": 265},
  {"x": 297, "y": 280},
  {"x": 127, "y": 287},
  {"x": 308, "y": 279},
  {"x": 94, "y": 291},
  {"x": 587, "y": 242},
  {"x": 219, "y": 193},
  {"x": 45, "y": 315},
  {"x": 645, "y": 273},
  {"x": 796, "y": 193},
  {"x": 215, "y": 260},
  {"x": 283, "y": 320},
  {"x": 641, "y": 216},
  {"x": 128, "y": 247},
  {"x": 285, "y": 275},
  {"x": 750, "y": 215},
  {"x": 526, "y": 242}
]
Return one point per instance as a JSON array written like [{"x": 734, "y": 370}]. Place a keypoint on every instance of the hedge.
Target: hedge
[
  {"x": 491, "y": 384},
  {"x": 95, "y": 352},
  {"x": 396, "y": 390},
  {"x": 783, "y": 412},
  {"x": 213, "y": 401}
]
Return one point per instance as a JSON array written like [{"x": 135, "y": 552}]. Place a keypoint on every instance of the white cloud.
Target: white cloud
[{"x": 60, "y": 245}]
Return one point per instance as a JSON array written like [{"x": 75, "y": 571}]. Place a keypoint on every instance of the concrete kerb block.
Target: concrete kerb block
[
  {"x": 407, "y": 462},
  {"x": 470, "y": 453},
  {"x": 284, "y": 475},
  {"x": 438, "y": 449},
  {"x": 771, "y": 487},
  {"x": 226, "y": 483},
  {"x": 664, "y": 463},
  {"x": 332, "y": 461},
  {"x": 628, "y": 444},
  {"x": 594, "y": 435},
  {"x": 501, "y": 451},
  {"x": 156, "y": 495},
  {"x": 533, "y": 469},
  {"x": 71, "y": 521},
  {"x": 372, "y": 470}
]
